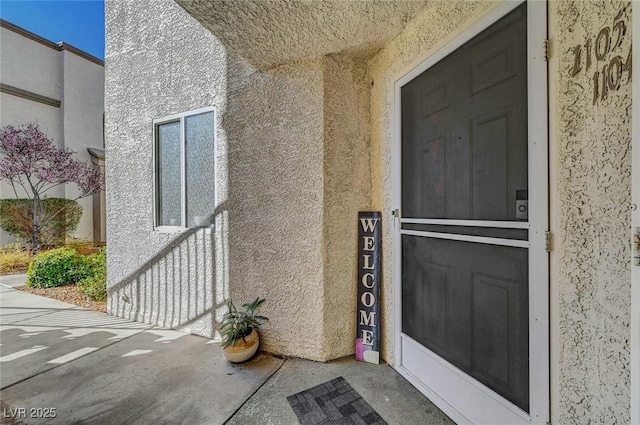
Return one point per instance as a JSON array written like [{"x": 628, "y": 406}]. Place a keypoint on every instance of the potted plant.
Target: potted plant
[{"x": 239, "y": 331}]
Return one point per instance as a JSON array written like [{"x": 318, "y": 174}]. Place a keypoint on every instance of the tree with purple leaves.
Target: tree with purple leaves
[{"x": 31, "y": 161}]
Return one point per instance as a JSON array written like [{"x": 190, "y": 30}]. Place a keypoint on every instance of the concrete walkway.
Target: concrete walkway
[{"x": 92, "y": 368}]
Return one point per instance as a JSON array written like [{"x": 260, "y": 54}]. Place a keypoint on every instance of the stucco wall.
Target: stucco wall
[
  {"x": 347, "y": 190},
  {"x": 160, "y": 278},
  {"x": 268, "y": 187},
  {"x": 592, "y": 280},
  {"x": 274, "y": 125},
  {"x": 29, "y": 65},
  {"x": 439, "y": 22},
  {"x": 272, "y": 33},
  {"x": 82, "y": 112}
]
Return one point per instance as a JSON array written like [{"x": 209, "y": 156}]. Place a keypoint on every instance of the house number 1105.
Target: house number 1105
[{"x": 608, "y": 40}]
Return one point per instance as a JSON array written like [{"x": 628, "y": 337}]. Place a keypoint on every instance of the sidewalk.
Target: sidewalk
[{"x": 97, "y": 369}]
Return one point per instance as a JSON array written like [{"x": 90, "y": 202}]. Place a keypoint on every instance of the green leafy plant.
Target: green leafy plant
[
  {"x": 95, "y": 284},
  {"x": 57, "y": 267},
  {"x": 239, "y": 324}
]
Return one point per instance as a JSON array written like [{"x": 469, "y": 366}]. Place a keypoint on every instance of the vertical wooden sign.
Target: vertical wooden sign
[{"x": 368, "y": 319}]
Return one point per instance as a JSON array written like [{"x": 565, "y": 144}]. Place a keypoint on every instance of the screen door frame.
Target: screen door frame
[
  {"x": 635, "y": 223},
  {"x": 479, "y": 399}
]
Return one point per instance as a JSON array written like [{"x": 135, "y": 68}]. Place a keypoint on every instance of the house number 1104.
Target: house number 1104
[{"x": 607, "y": 42}]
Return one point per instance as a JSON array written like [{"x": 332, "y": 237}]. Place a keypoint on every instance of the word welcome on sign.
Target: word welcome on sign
[
  {"x": 368, "y": 319},
  {"x": 605, "y": 46}
]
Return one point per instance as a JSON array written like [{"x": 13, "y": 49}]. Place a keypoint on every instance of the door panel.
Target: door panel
[
  {"x": 468, "y": 303},
  {"x": 465, "y": 157},
  {"x": 491, "y": 68},
  {"x": 475, "y": 101},
  {"x": 490, "y": 179},
  {"x": 500, "y": 343},
  {"x": 432, "y": 175}
]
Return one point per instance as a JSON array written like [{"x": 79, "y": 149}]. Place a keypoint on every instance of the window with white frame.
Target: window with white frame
[{"x": 184, "y": 156}]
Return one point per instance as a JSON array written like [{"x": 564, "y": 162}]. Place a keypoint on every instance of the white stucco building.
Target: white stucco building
[
  {"x": 244, "y": 137},
  {"x": 62, "y": 89}
]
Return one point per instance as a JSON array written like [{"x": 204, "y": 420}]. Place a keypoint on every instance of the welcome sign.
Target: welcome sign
[{"x": 368, "y": 319}]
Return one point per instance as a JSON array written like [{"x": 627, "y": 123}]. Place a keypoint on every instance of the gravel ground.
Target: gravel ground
[{"x": 68, "y": 294}]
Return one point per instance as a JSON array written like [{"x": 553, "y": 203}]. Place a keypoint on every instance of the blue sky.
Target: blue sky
[{"x": 77, "y": 22}]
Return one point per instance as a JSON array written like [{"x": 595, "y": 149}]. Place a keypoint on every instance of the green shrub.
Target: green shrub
[
  {"x": 60, "y": 217},
  {"x": 81, "y": 268},
  {"x": 95, "y": 284},
  {"x": 62, "y": 266},
  {"x": 14, "y": 258},
  {"x": 95, "y": 287},
  {"x": 57, "y": 267}
]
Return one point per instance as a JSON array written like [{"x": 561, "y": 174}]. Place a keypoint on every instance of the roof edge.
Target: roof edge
[
  {"x": 48, "y": 43},
  {"x": 70, "y": 48},
  {"x": 96, "y": 153}
]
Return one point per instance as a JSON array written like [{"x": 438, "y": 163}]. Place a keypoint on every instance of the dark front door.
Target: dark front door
[{"x": 464, "y": 227}]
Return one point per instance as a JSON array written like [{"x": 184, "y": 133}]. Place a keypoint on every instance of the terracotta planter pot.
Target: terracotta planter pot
[{"x": 243, "y": 349}]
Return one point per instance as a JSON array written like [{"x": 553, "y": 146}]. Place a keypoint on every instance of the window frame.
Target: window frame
[{"x": 178, "y": 118}]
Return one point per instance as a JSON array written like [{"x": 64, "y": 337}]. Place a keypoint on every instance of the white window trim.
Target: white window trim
[{"x": 180, "y": 117}]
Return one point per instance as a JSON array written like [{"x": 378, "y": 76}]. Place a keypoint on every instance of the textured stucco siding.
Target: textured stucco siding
[
  {"x": 347, "y": 190},
  {"x": 269, "y": 180},
  {"x": 160, "y": 278},
  {"x": 423, "y": 36},
  {"x": 274, "y": 126},
  {"x": 594, "y": 219},
  {"x": 270, "y": 33}
]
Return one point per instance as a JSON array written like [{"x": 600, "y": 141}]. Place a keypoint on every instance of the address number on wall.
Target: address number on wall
[{"x": 603, "y": 55}]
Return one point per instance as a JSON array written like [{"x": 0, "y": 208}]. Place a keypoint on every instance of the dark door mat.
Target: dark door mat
[{"x": 333, "y": 402}]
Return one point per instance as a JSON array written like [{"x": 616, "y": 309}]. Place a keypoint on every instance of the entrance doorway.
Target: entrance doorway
[{"x": 472, "y": 269}]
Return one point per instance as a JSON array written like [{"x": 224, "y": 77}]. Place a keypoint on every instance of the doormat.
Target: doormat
[{"x": 333, "y": 402}]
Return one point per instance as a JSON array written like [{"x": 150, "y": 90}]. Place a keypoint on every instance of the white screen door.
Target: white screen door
[{"x": 472, "y": 191}]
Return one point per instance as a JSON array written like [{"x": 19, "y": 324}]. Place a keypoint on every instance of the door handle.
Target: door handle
[{"x": 396, "y": 214}]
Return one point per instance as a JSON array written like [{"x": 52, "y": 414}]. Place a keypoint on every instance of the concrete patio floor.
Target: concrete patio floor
[{"x": 97, "y": 369}]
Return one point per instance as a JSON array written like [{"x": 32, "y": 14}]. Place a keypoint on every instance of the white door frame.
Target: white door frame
[
  {"x": 457, "y": 381},
  {"x": 635, "y": 221}
]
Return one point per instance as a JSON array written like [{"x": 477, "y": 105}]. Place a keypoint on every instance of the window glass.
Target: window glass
[
  {"x": 169, "y": 174},
  {"x": 185, "y": 169},
  {"x": 199, "y": 135}
]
